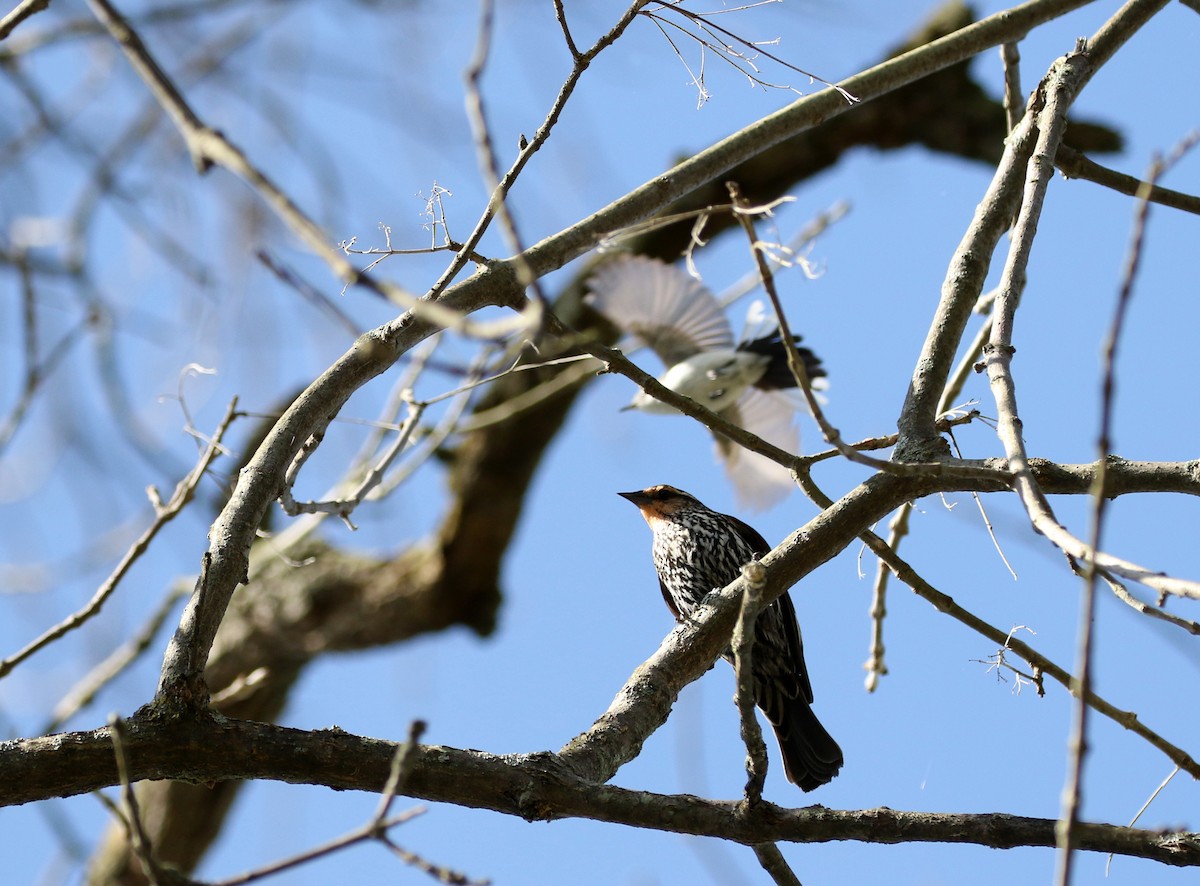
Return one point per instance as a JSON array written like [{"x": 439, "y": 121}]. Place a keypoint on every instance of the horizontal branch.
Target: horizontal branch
[
  {"x": 536, "y": 787},
  {"x": 1122, "y": 476}
]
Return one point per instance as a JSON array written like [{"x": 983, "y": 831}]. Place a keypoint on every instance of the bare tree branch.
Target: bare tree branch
[
  {"x": 1074, "y": 164},
  {"x": 535, "y": 787},
  {"x": 163, "y": 514},
  {"x": 23, "y": 10},
  {"x": 1078, "y": 744}
]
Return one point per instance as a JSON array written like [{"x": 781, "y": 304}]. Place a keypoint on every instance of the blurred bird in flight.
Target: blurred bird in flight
[{"x": 746, "y": 383}]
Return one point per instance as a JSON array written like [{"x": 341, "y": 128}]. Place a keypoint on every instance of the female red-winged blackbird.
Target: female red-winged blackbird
[
  {"x": 697, "y": 550},
  {"x": 746, "y": 383}
]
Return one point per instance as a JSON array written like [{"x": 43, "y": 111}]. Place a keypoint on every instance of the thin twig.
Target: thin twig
[
  {"x": 36, "y": 371},
  {"x": 1158, "y": 790},
  {"x": 943, "y": 424},
  {"x": 581, "y": 63},
  {"x": 164, "y": 513},
  {"x": 85, "y": 691},
  {"x": 489, "y": 167},
  {"x": 528, "y": 399},
  {"x": 728, "y": 51},
  {"x": 132, "y": 819},
  {"x": 344, "y": 488},
  {"x": 1073, "y": 788},
  {"x": 1074, "y": 164},
  {"x": 987, "y": 522},
  {"x": 372, "y": 486},
  {"x": 743, "y": 665},
  {"x": 310, "y": 293},
  {"x": 1122, "y": 593},
  {"x": 560, "y": 16},
  {"x": 439, "y": 873},
  {"x": 775, "y": 864},
  {"x": 744, "y": 214},
  {"x": 805, "y": 236},
  {"x": 402, "y": 764},
  {"x": 967, "y": 366},
  {"x": 360, "y": 835},
  {"x": 344, "y": 507},
  {"x": 875, "y": 665},
  {"x": 1010, "y": 55},
  {"x": 999, "y": 662},
  {"x": 637, "y": 229},
  {"x": 403, "y": 760}
]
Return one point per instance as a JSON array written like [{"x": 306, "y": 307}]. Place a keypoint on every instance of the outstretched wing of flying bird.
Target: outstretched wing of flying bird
[
  {"x": 664, "y": 306},
  {"x": 757, "y": 481}
]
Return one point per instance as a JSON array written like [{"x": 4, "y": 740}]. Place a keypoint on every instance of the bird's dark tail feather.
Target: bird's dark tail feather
[
  {"x": 777, "y": 374},
  {"x": 811, "y": 757}
]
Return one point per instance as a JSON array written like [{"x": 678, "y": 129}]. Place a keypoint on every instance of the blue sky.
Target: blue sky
[{"x": 376, "y": 117}]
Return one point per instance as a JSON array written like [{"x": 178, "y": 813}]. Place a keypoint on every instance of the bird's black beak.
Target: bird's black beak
[{"x": 638, "y": 498}]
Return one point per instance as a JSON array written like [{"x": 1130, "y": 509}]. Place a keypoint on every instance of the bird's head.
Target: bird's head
[{"x": 661, "y": 502}]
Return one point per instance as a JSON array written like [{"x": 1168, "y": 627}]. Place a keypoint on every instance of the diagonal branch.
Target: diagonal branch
[
  {"x": 1075, "y": 164},
  {"x": 23, "y": 10}
]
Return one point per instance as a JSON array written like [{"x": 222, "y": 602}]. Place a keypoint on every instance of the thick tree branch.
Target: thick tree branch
[
  {"x": 960, "y": 290},
  {"x": 535, "y": 787}
]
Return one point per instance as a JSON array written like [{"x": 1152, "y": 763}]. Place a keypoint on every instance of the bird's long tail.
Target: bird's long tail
[
  {"x": 777, "y": 374},
  {"x": 811, "y": 757}
]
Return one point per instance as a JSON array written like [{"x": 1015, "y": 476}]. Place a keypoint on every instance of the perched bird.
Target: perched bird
[
  {"x": 746, "y": 383},
  {"x": 697, "y": 550}
]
